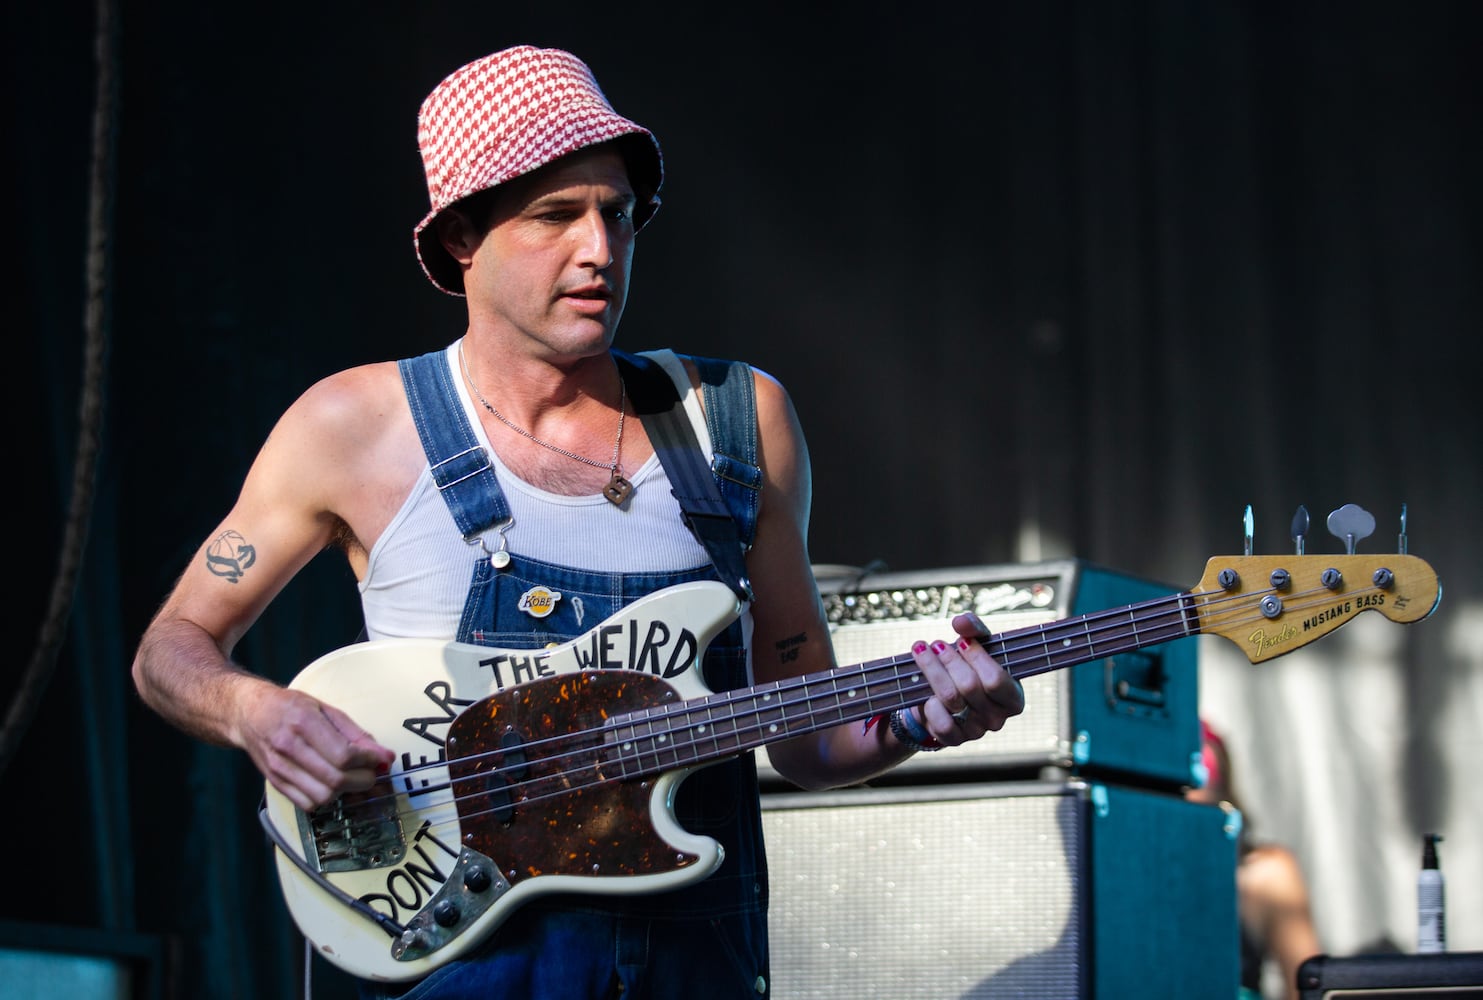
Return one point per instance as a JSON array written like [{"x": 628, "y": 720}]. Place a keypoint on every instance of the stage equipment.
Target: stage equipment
[
  {"x": 1129, "y": 718},
  {"x": 80, "y": 963},
  {"x": 1049, "y": 890},
  {"x": 1444, "y": 976}
]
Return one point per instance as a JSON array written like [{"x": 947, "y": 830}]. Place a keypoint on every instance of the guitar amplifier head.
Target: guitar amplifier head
[{"x": 1133, "y": 716}]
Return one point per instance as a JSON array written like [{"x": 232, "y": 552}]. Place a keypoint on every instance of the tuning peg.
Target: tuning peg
[
  {"x": 1350, "y": 524},
  {"x": 1248, "y": 523},
  {"x": 1402, "y": 548},
  {"x": 1300, "y": 528}
]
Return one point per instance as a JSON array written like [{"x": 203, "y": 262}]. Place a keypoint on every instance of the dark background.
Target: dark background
[{"x": 1044, "y": 279}]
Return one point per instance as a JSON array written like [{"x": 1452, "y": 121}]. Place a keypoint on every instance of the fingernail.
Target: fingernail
[
  {"x": 939, "y": 646},
  {"x": 918, "y": 646},
  {"x": 963, "y": 644}
]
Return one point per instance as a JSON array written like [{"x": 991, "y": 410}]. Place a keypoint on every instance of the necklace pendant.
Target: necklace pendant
[{"x": 617, "y": 489}]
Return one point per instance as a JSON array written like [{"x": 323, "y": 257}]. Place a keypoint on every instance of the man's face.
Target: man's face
[{"x": 554, "y": 265}]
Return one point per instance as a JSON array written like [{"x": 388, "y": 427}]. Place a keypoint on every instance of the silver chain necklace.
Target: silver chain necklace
[{"x": 618, "y": 488}]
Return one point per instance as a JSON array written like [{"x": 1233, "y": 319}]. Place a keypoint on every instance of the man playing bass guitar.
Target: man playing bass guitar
[{"x": 516, "y": 490}]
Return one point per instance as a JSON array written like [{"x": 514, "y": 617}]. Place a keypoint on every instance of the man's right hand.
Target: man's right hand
[{"x": 311, "y": 752}]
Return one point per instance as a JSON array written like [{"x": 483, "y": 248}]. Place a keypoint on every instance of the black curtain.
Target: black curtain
[{"x": 1044, "y": 279}]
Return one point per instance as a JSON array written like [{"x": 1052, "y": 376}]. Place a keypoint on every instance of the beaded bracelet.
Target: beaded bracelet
[{"x": 911, "y": 733}]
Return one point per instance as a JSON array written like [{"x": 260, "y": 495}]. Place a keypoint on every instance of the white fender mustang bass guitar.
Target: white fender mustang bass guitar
[{"x": 523, "y": 772}]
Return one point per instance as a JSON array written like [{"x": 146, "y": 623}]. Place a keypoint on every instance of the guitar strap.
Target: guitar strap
[{"x": 730, "y": 406}]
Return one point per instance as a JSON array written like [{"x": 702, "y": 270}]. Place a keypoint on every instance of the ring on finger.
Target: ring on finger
[{"x": 961, "y": 716}]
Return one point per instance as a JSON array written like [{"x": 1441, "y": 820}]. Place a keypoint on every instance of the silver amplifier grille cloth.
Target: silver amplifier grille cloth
[{"x": 928, "y": 900}]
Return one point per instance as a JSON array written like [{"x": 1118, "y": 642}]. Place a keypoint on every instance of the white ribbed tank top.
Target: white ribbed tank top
[{"x": 417, "y": 575}]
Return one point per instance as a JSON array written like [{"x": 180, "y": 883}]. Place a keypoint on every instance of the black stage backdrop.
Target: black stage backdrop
[{"x": 1045, "y": 279}]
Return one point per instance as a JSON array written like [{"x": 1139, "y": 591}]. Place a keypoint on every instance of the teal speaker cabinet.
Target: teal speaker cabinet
[{"x": 1037, "y": 890}]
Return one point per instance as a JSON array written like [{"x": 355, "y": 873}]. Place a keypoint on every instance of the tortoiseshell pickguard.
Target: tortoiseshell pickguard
[{"x": 539, "y": 788}]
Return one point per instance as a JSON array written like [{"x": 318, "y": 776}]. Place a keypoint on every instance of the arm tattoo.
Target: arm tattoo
[
  {"x": 228, "y": 556},
  {"x": 789, "y": 648}
]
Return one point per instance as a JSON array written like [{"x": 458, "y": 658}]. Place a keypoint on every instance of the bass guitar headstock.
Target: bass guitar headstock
[{"x": 1271, "y": 605}]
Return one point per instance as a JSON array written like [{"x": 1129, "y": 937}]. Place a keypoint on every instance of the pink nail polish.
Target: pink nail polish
[
  {"x": 939, "y": 646},
  {"x": 918, "y": 646},
  {"x": 963, "y": 644}
]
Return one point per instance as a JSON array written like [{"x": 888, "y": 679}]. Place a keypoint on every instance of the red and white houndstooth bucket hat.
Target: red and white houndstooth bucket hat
[{"x": 510, "y": 113}]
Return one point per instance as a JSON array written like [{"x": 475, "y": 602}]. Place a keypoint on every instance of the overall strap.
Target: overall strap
[
  {"x": 705, "y": 511},
  {"x": 730, "y": 399},
  {"x": 460, "y": 466}
]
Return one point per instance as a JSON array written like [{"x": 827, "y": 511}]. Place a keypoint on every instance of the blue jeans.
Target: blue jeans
[{"x": 580, "y": 955}]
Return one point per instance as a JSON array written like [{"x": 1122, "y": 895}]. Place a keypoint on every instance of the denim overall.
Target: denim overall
[{"x": 707, "y": 939}]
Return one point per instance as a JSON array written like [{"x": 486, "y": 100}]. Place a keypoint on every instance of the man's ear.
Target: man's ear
[{"x": 457, "y": 235}]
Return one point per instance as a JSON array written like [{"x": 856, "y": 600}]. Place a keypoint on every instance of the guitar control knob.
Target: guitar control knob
[
  {"x": 446, "y": 913},
  {"x": 1333, "y": 579},
  {"x": 1384, "y": 578},
  {"x": 476, "y": 879},
  {"x": 1228, "y": 579},
  {"x": 1281, "y": 579}
]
